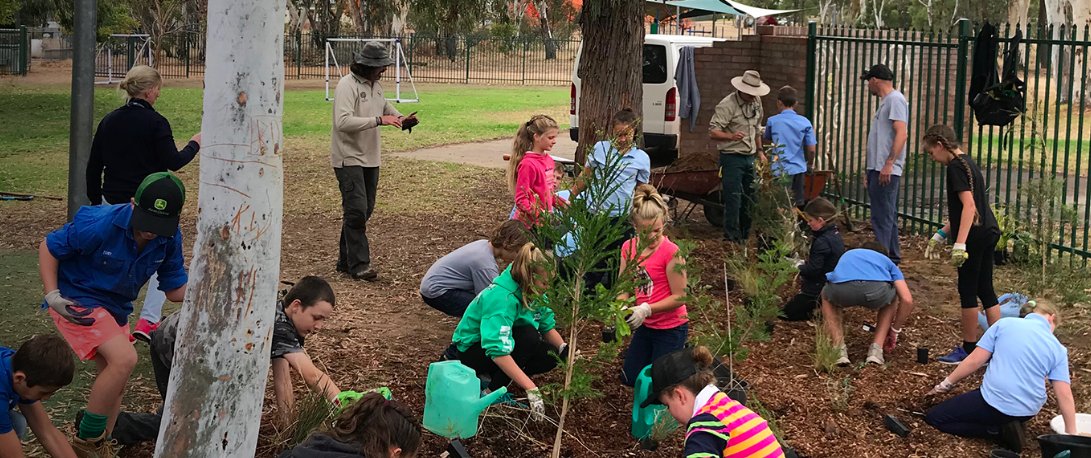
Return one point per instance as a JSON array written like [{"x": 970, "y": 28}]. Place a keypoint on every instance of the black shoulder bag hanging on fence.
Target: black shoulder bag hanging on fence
[{"x": 997, "y": 103}]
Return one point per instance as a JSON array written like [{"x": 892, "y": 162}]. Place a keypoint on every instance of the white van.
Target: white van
[{"x": 660, "y": 106}]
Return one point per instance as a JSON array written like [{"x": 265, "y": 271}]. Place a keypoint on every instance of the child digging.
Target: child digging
[
  {"x": 659, "y": 320},
  {"x": 453, "y": 281},
  {"x": 371, "y": 427},
  {"x": 716, "y": 425},
  {"x": 507, "y": 333},
  {"x": 975, "y": 232},
  {"x": 40, "y": 367},
  {"x": 826, "y": 249},
  {"x": 92, "y": 269},
  {"x": 530, "y": 169}
]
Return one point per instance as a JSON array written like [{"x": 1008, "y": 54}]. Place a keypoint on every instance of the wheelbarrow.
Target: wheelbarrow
[{"x": 698, "y": 187}]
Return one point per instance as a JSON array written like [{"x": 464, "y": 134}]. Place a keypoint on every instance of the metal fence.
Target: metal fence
[
  {"x": 932, "y": 69},
  {"x": 444, "y": 59},
  {"x": 14, "y": 51}
]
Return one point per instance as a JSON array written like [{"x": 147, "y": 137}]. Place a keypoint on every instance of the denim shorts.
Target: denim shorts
[{"x": 859, "y": 293}]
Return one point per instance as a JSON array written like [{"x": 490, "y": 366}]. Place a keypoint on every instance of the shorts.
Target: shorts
[
  {"x": 85, "y": 340},
  {"x": 871, "y": 294}
]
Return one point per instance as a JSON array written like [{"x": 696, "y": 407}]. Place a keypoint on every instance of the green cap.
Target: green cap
[{"x": 158, "y": 204}]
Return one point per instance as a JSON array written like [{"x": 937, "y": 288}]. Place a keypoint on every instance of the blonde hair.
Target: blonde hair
[
  {"x": 648, "y": 205},
  {"x": 139, "y": 80},
  {"x": 1041, "y": 307},
  {"x": 530, "y": 260},
  {"x": 524, "y": 141}
]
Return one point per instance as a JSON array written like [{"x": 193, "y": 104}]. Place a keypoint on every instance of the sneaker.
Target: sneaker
[
  {"x": 954, "y": 357},
  {"x": 368, "y": 274},
  {"x": 843, "y": 360},
  {"x": 1012, "y": 436},
  {"x": 99, "y": 447},
  {"x": 875, "y": 354},
  {"x": 144, "y": 329}
]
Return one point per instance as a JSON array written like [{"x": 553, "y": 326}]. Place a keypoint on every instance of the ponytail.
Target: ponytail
[
  {"x": 944, "y": 136},
  {"x": 648, "y": 205},
  {"x": 524, "y": 141},
  {"x": 702, "y": 357},
  {"x": 139, "y": 80},
  {"x": 530, "y": 262},
  {"x": 1041, "y": 307}
]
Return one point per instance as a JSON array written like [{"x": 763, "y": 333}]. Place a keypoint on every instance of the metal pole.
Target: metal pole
[
  {"x": 960, "y": 76},
  {"x": 83, "y": 104}
]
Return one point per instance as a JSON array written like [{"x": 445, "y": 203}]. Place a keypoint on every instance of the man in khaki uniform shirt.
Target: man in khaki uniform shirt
[
  {"x": 736, "y": 126},
  {"x": 359, "y": 109}
]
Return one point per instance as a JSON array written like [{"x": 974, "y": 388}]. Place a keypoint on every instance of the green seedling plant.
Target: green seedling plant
[
  {"x": 1049, "y": 219},
  {"x": 825, "y": 352}
]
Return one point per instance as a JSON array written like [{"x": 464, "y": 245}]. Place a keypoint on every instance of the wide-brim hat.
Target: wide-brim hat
[
  {"x": 750, "y": 83},
  {"x": 374, "y": 54}
]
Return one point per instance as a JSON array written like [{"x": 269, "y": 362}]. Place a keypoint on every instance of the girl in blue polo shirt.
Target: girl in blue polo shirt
[{"x": 1021, "y": 354}]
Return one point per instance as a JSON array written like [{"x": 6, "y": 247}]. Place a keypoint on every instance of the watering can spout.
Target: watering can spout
[{"x": 489, "y": 399}]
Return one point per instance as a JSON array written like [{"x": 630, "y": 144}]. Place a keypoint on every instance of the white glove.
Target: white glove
[
  {"x": 941, "y": 388},
  {"x": 63, "y": 307},
  {"x": 959, "y": 255},
  {"x": 640, "y": 313},
  {"x": 934, "y": 245},
  {"x": 797, "y": 263},
  {"x": 537, "y": 405}
]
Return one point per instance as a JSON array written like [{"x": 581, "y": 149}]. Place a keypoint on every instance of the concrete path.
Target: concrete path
[{"x": 482, "y": 154}]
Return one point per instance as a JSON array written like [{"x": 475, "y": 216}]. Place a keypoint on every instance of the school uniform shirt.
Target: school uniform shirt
[
  {"x": 792, "y": 133},
  {"x": 100, "y": 265},
  {"x": 653, "y": 284},
  {"x": 491, "y": 316},
  {"x": 132, "y": 142},
  {"x": 1024, "y": 354},
  {"x": 8, "y": 397},
  {"x": 471, "y": 267},
  {"x": 880, "y": 138},
  {"x": 862, "y": 264},
  {"x": 958, "y": 180},
  {"x": 826, "y": 249},
  {"x": 732, "y": 115},
  {"x": 286, "y": 339},
  {"x": 357, "y": 106},
  {"x": 635, "y": 168},
  {"x": 534, "y": 187},
  {"x": 721, "y": 427}
]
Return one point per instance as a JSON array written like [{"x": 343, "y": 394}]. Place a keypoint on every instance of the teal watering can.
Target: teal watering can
[
  {"x": 452, "y": 400},
  {"x": 645, "y": 419}
]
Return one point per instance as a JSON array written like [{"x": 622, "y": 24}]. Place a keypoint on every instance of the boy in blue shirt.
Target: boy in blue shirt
[
  {"x": 40, "y": 367},
  {"x": 866, "y": 277},
  {"x": 92, "y": 269},
  {"x": 794, "y": 140}
]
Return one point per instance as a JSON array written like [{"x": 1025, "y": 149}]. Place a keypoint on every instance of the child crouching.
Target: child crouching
[{"x": 826, "y": 249}]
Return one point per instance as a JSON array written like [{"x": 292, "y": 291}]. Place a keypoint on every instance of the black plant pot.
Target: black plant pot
[
  {"x": 738, "y": 390},
  {"x": 609, "y": 334}
]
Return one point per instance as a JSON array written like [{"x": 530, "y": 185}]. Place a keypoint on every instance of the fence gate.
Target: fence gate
[{"x": 115, "y": 56}]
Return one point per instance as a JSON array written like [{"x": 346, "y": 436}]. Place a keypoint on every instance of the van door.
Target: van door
[{"x": 656, "y": 69}]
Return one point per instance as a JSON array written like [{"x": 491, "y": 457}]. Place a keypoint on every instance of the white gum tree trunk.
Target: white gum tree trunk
[{"x": 213, "y": 406}]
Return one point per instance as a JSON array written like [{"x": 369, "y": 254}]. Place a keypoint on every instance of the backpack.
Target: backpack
[{"x": 996, "y": 102}]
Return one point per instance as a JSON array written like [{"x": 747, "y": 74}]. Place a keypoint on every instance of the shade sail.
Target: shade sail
[{"x": 754, "y": 11}]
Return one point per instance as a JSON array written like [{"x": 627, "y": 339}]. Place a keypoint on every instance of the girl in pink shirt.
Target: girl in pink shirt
[
  {"x": 530, "y": 170},
  {"x": 659, "y": 321}
]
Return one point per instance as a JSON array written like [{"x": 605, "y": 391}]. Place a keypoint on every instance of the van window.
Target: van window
[{"x": 655, "y": 64}]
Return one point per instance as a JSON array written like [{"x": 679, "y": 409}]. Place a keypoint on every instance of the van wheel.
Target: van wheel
[{"x": 714, "y": 209}]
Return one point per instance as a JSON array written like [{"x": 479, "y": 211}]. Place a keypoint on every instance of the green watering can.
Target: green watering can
[
  {"x": 452, "y": 400},
  {"x": 645, "y": 419}
]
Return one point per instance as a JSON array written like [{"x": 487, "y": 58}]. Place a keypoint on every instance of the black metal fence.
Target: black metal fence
[
  {"x": 14, "y": 51},
  {"x": 443, "y": 59}
]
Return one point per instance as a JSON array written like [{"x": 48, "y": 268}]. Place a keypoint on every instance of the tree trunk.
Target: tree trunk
[
  {"x": 547, "y": 34},
  {"x": 214, "y": 400},
  {"x": 610, "y": 66},
  {"x": 1017, "y": 13}
]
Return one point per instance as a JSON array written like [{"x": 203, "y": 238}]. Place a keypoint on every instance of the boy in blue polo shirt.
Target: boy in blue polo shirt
[
  {"x": 92, "y": 269},
  {"x": 795, "y": 142},
  {"x": 40, "y": 367},
  {"x": 866, "y": 277}
]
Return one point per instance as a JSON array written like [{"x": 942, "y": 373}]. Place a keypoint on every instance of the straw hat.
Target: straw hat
[{"x": 750, "y": 83}]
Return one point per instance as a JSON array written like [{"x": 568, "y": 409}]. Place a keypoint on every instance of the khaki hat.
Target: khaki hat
[
  {"x": 750, "y": 83},
  {"x": 374, "y": 54},
  {"x": 820, "y": 208}
]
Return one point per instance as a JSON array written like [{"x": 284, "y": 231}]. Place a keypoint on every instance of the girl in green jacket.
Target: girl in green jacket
[{"x": 507, "y": 333}]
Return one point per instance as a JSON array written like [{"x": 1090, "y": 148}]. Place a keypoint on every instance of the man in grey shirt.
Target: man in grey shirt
[{"x": 886, "y": 144}]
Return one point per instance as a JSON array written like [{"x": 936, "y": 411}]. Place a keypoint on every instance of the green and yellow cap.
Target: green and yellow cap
[{"x": 158, "y": 204}]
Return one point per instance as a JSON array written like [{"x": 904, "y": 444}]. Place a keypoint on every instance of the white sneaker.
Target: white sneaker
[
  {"x": 844, "y": 359},
  {"x": 875, "y": 354}
]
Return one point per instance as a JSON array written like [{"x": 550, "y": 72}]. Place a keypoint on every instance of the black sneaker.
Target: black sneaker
[
  {"x": 368, "y": 274},
  {"x": 1012, "y": 436}
]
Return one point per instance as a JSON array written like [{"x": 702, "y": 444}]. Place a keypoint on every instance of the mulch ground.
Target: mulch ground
[{"x": 383, "y": 334}]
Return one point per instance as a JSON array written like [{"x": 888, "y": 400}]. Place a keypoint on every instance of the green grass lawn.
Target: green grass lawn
[{"x": 34, "y": 123}]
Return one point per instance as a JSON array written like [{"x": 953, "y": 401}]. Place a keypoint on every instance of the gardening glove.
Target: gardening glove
[
  {"x": 935, "y": 245},
  {"x": 797, "y": 263},
  {"x": 959, "y": 255},
  {"x": 64, "y": 308},
  {"x": 562, "y": 352},
  {"x": 537, "y": 405},
  {"x": 942, "y": 388},
  {"x": 891, "y": 339},
  {"x": 640, "y": 313}
]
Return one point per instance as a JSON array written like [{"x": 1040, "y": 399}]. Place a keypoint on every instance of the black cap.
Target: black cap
[
  {"x": 880, "y": 71},
  {"x": 669, "y": 370},
  {"x": 158, "y": 204}
]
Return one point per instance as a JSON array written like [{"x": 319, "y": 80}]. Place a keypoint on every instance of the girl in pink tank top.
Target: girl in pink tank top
[{"x": 658, "y": 321}]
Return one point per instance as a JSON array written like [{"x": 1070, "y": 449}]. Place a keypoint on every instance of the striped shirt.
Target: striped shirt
[{"x": 725, "y": 428}]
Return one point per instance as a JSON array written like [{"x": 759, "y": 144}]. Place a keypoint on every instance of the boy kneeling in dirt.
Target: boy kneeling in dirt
[
  {"x": 304, "y": 309},
  {"x": 866, "y": 277},
  {"x": 826, "y": 248},
  {"x": 40, "y": 367}
]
